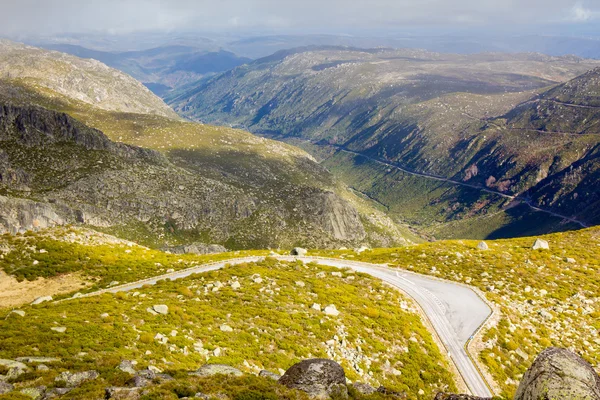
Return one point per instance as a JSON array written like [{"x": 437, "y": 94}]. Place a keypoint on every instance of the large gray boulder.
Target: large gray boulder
[
  {"x": 540, "y": 244},
  {"x": 318, "y": 377},
  {"x": 559, "y": 374},
  {"x": 73, "y": 379},
  {"x": 216, "y": 369}
]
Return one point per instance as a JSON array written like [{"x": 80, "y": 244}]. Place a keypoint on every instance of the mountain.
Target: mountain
[
  {"x": 202, "y": 184},
  {"x": 161, "y": 68},
  {"x": 424, "y": 134}
]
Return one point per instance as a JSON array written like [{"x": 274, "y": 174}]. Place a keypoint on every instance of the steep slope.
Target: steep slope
[
  {"x": 88, "y": 81},
  {"x": 431, "y": 115},
  {"x": 222, "y": 186}
]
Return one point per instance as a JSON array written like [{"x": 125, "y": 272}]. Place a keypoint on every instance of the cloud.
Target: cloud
[{"x": 60, "y": 16}]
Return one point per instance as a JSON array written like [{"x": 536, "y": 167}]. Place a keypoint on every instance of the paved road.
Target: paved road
[{"x": 455, "y": 311}]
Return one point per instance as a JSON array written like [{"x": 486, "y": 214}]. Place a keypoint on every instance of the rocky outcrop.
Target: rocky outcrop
[
  {"x": 320, "y": 378},
  {"x": 73, "y": 379},
  {"x": 196, "y": 248},
  {"x": 559, "y": 374},
  {"x": 216, "y": 369}
]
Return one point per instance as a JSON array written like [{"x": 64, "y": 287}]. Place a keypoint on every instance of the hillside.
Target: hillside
[
  {"x": 425, "y": 115},
  {"x": 210, "y": 185},
  {"x": 163, "y": 68},
  {"x": 88, "y": 81}
]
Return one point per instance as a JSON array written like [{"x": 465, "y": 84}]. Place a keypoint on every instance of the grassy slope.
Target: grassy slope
[
  {"x": 273, "y": 325},
  {"x": 544, "y": 300}
]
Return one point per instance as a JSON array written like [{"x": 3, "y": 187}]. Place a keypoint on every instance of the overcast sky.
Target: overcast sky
[{"x": 42, "y": 17}]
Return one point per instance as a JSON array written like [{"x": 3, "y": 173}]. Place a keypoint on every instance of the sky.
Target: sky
[{"x": 49, "y": 17}]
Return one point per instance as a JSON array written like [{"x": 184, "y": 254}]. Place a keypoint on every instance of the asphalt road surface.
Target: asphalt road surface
[{"x": 455, "y": 311}]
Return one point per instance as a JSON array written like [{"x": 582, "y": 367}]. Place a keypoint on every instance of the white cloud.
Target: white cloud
[{"x": 581, "y": 14}]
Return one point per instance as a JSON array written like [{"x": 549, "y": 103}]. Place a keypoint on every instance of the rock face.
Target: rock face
[
  {"x": 217, "y": 369},
  {"x": 319, "y": 378},
  {"x": 559, "y": 374},
  {"x": 540, "y": 244}
]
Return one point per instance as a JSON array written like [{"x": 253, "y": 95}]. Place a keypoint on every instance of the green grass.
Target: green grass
[{"x": 273, "y": 325}]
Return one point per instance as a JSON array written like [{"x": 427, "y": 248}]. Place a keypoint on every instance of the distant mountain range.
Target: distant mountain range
[{"x": 446, "y": 142}]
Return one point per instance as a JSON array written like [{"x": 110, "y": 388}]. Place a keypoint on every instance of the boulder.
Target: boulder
[
  {"x": 216, "y": 369},
  {"x": 15, "y": 368},
  {"x": 331, "y": 310},
  {"x": 34, "y": 392},
  {"x": 364, "y": 388},
  {"x": 73, "y": 379},
  {"x": 483, "y": 246},
  {"x": 318, "y": 377},
  {"x": 559, "y": 374},
  {"x": 123, "y": 393},
  {"x": 269, "y": 374},
  {"x": 127, "y": 367},
  {"x": 540, "y": 244},
  {"x": 59, "y": 329},
  {"x": 6, "y": 387},
  {"x": 226, "y": 328},
  {"x": 160, "y": 309},
  {"x": 42, "y": 299},
  {"x": 20, "y": 313},
  {"x": 299, "y": 251}
]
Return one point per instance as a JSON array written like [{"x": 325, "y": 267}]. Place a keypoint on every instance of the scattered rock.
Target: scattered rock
[
  {"x": 336, "y": 273},
  {"x": 42, "y": 299},
  {"x": 127, "y": 367},
  {"x": 143, "y": 378},
  {"x": 73, "y": 379},
  {"x": 6, "y": 387},
  {"x": 483, "y": 246},
  {"x": 331, "y": 310},
  {"x": 269, "y": 374},
  {"x": 388, "y": 392},
  {"x": 363, "y": 388},
  {"x": 299, "y": 251},
  {"x": 540, "y": 244},
  {"x": 42, "y": 368},
  {"x": 56, "y": 393},
  {"x": 445, "y": 396},
  {"x": 37, "y": 360},
  {"x": 15, "y": 368},
  {"x": 236, "y": 285},
  {"x": 104, "y": 316},
  {"x": 123, "y": 393},
  {"x": 20, "y": 313},
  {"x": 34, "y": 392},
  {"x": 316, "y": 306},
  {"x": 59, "y": 329},
  {"x": 361, "y": 249},
  {"x": 300, "y": 284},
  {"x": 154, "y": 369},
  {"x": 570, "y": 260},
  {"x": 216, "y": 369},
  {"x": 226, "y": 328},
  {"x": 161, "y": 309},
  {"x": 559, "y": 374},
  {"x": 318, "y": 377}
]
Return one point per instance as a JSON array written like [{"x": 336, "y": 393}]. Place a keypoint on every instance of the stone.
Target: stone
[
  {"x": 364, "y": 388},
  {"x": 361, "y": 249},
  {"x": 37, "y": 360},
  {"x": 104, "y": 315},
  {"x": 127, "y": 367},
  {"x": 331, "y": 310},
  {"x": 42, "y": 368},
  {"x": 570, "y": 260},
  {"x": 59, "y": 329},
  {"x": 6, "y": 387},
  {"x": 154, "y": 369},
  {"x": 300, "y": 284},
  {"x": 73, "y": 379},
  {"x": 319, "y": 378},
  {"x": 316, "y": 306},
  {"x": 20, "y": 313},
  {"x": 540, "y": 244},
  {"x": 161, "y": 309},
  {"x": 123, "y": 393},
  {"x": 15, "y": 368},
  {"x": 236, "y": 285},
  {"x": 42, "y": 299},
  {"x": 226, "y": 328},
  {"x": 216, "y": 369},
  {"x": 34, "y": 392},
  {"x": 388, "y": 392},
  {"x": 446, "y": 396},
  {"x": 56, "y": 393},
  {"x": 483, "y": 246},
  {"x": 559, "y": 374},
  {"x": 299, "y": 251},
  {"x": 269, "y": 374}
]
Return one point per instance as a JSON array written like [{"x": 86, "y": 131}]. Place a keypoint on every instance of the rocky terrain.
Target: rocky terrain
[
  {"x": 197, "y": 184},
  {"x": 432, "y": 115}
]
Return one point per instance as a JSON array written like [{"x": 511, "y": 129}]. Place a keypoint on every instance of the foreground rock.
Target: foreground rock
[
  {"x": 216, "y": 369},
  {"x": 320, "y": 378},
  {"x": 559, "y": 374}
]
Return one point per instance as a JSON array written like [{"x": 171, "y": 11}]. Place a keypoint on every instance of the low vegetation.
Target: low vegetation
[
  {"x": 546, "y": 297},
  {"x": 250, "y": 316}
]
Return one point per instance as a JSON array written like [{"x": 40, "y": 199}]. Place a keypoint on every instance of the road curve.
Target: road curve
[{"x": 455, "y": 311}]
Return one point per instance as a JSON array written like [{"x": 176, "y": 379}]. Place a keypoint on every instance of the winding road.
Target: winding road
[{"x": 455, "y": 311}]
